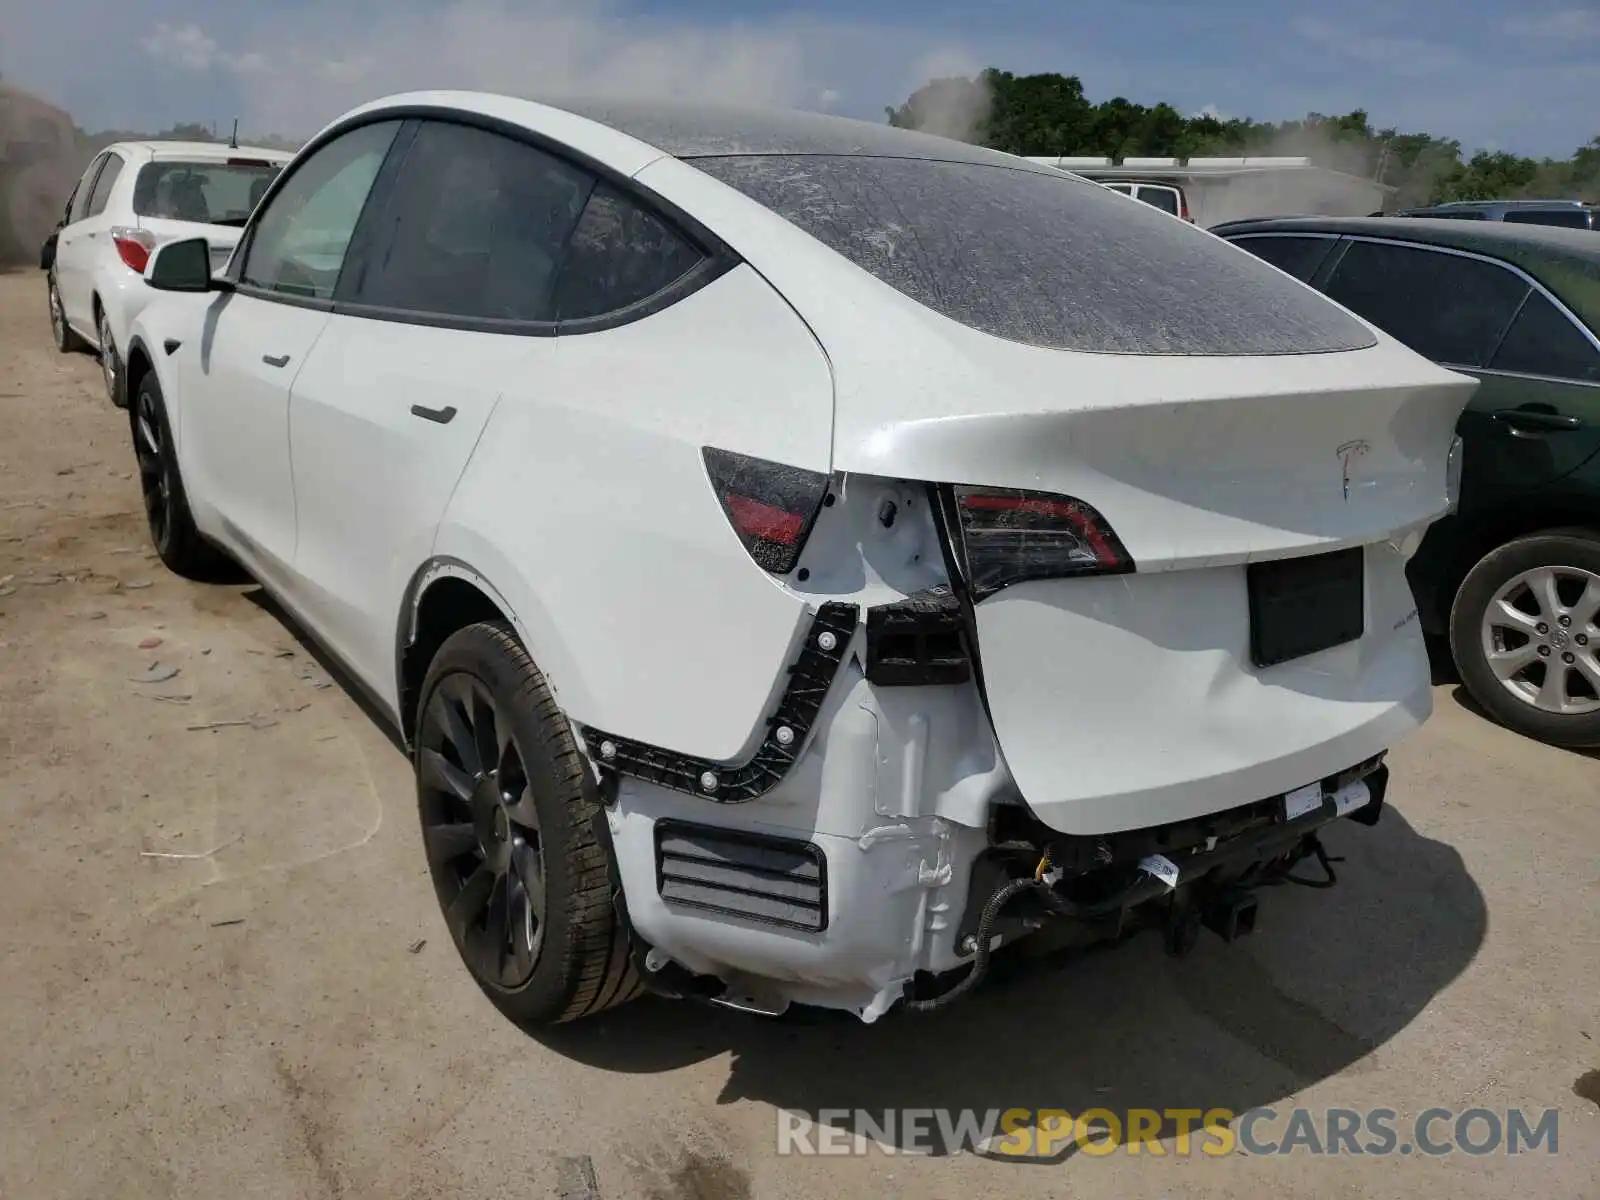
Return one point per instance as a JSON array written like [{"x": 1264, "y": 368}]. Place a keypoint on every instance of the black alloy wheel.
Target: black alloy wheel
[
  {"x": 515, "y": 835},
  {"x": 481, "y": 830},
  {"x": 154, "y": 461}
]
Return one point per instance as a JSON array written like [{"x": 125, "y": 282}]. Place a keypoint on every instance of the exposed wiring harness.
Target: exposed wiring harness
[
  {"x": 1042, "y": 885},
  {"x": 1002, "y": 897}
]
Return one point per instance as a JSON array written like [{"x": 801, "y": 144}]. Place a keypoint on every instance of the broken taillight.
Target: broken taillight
[
  {"x": 1011, "y": 536},
  {"x": 771, "y": 506}
]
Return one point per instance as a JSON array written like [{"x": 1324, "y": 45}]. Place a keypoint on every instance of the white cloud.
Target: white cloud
[
  {"x": 186, "y": 45},
  {"x": 1212, "y": 111},
  {"x": 1562, "y": 25},
  {"x": 1392, "y": 55},
  {"x": 292, "y": 75}
]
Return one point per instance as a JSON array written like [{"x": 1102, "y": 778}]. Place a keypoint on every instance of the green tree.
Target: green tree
[{"x": 1049, "y": 114}]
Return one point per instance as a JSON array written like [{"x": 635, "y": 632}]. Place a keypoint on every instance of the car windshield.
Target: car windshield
[
  {"x": 1042, "y": 258},
  {"x": 212, "y": 193}
]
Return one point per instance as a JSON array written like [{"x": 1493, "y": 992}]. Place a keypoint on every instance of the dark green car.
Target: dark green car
[{"x": 1513, "y": 576}]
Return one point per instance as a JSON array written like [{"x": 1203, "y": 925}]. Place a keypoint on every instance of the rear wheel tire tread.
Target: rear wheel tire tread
[{"x": 596, "y": 969}]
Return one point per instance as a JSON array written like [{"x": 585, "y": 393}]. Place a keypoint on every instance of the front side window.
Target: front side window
[
  {"x": 1297, "y": 256},
  {"x": 104, "y": 184},
  {"x": 1543, "y": 341},
  {"x": 620, "y": 254},
  {"x": 1041, "y": 257},
  {"x": 1449, "y": 308},
  {"x": 214, "y": 193},
  {"x": 474, "y": 228},
  {"x": 298, "y": 244}
]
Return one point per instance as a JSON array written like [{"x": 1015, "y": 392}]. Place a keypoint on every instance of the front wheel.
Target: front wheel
[
  {"x": 509, "y": 827},
  {"x": 172, "y": 529},
  {"x": 1525, "y": 634},
  {"x": 61, "y": 333}
]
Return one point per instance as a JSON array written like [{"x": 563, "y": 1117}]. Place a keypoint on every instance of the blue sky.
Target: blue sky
[{"x": 1493, "y": 75}]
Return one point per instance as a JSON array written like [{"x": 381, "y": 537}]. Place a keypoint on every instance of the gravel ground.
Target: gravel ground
[{"x": 222, "y": 971}]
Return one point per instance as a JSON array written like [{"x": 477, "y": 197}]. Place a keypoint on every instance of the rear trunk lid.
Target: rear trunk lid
[
  {"x": 999, "y": 325},
  {"x": 1195, "y": 682}
]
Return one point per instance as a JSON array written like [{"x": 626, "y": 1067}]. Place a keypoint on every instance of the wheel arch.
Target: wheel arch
[
  {"x": 1553, "y": 514},
  {"x": 138, "y": 363},
  {"x": 444, "y": 595}
]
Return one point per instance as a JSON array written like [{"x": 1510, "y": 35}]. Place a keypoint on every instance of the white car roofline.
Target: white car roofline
[{"x": 610, "y": 147}]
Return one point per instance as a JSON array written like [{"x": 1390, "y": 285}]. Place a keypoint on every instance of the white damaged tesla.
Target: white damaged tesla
[{"x": 802, "y": 556}]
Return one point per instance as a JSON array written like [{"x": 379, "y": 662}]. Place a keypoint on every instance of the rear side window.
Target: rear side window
[
  {"x": 1449, "y": 308},
  {"x": 1543, "y": 341},
  {"x": 619, "y": 255},
  {"x": 1040, "y": 257},
  {"x": 474, "y": 228},
  {"x": 1574, "y": 218},
  {"x": 1298, "y": 256},
  {"x": 103, "y": 185},
  {"x": 1163, "y": 198},
  {"x": 1125, "y": 188},
  {"x": 209, "y": 192}
]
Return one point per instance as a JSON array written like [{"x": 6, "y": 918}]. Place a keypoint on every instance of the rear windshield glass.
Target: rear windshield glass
[
  {"x": 1041, "y": 257},
  {"x": 215, "y": 193}
]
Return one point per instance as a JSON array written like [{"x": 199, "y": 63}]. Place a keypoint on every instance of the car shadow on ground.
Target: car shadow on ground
[
  {"x": 1446, "y": 675},
  {"x": 309, "y": 645},
  {"x": 1326, "y": 980}
]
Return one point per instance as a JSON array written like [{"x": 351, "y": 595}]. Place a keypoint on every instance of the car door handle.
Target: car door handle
[
  {"x": 1519, "y": 419},
  {"x": 442, "y": 416},
  {"x": 275, "y": 360}
]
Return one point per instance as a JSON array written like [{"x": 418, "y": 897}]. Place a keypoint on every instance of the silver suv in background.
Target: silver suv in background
[{"x": 1569, "y": 214}]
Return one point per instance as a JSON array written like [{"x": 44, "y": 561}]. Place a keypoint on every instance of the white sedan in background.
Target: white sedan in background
[{"x": 133, "y": 197}]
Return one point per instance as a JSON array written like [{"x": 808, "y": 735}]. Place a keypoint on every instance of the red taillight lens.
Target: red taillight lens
[
  {"x": 1011, "y": 536},
  {"x": 771, "y": 506},
  {"x": 134, "y": 246}
]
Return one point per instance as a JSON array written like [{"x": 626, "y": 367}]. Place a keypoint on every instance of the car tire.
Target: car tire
[
  {"x": 511, "y": 828},
  {"x": 181, "y": 546},
  {"x": 66, "y": 341},
  {"x": 1530, "y": 658},
  {"x": 111, "y": 368}
]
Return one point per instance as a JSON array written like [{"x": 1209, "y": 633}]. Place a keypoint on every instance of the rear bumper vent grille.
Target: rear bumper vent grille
[{"x": 772, "y": 881}]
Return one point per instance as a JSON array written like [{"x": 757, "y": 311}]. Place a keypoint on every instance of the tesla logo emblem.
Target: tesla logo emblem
[{"x": 1348, "y": 453}]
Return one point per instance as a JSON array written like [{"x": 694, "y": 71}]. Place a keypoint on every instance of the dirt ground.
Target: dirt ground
[{"x": 223, "y": 973}]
